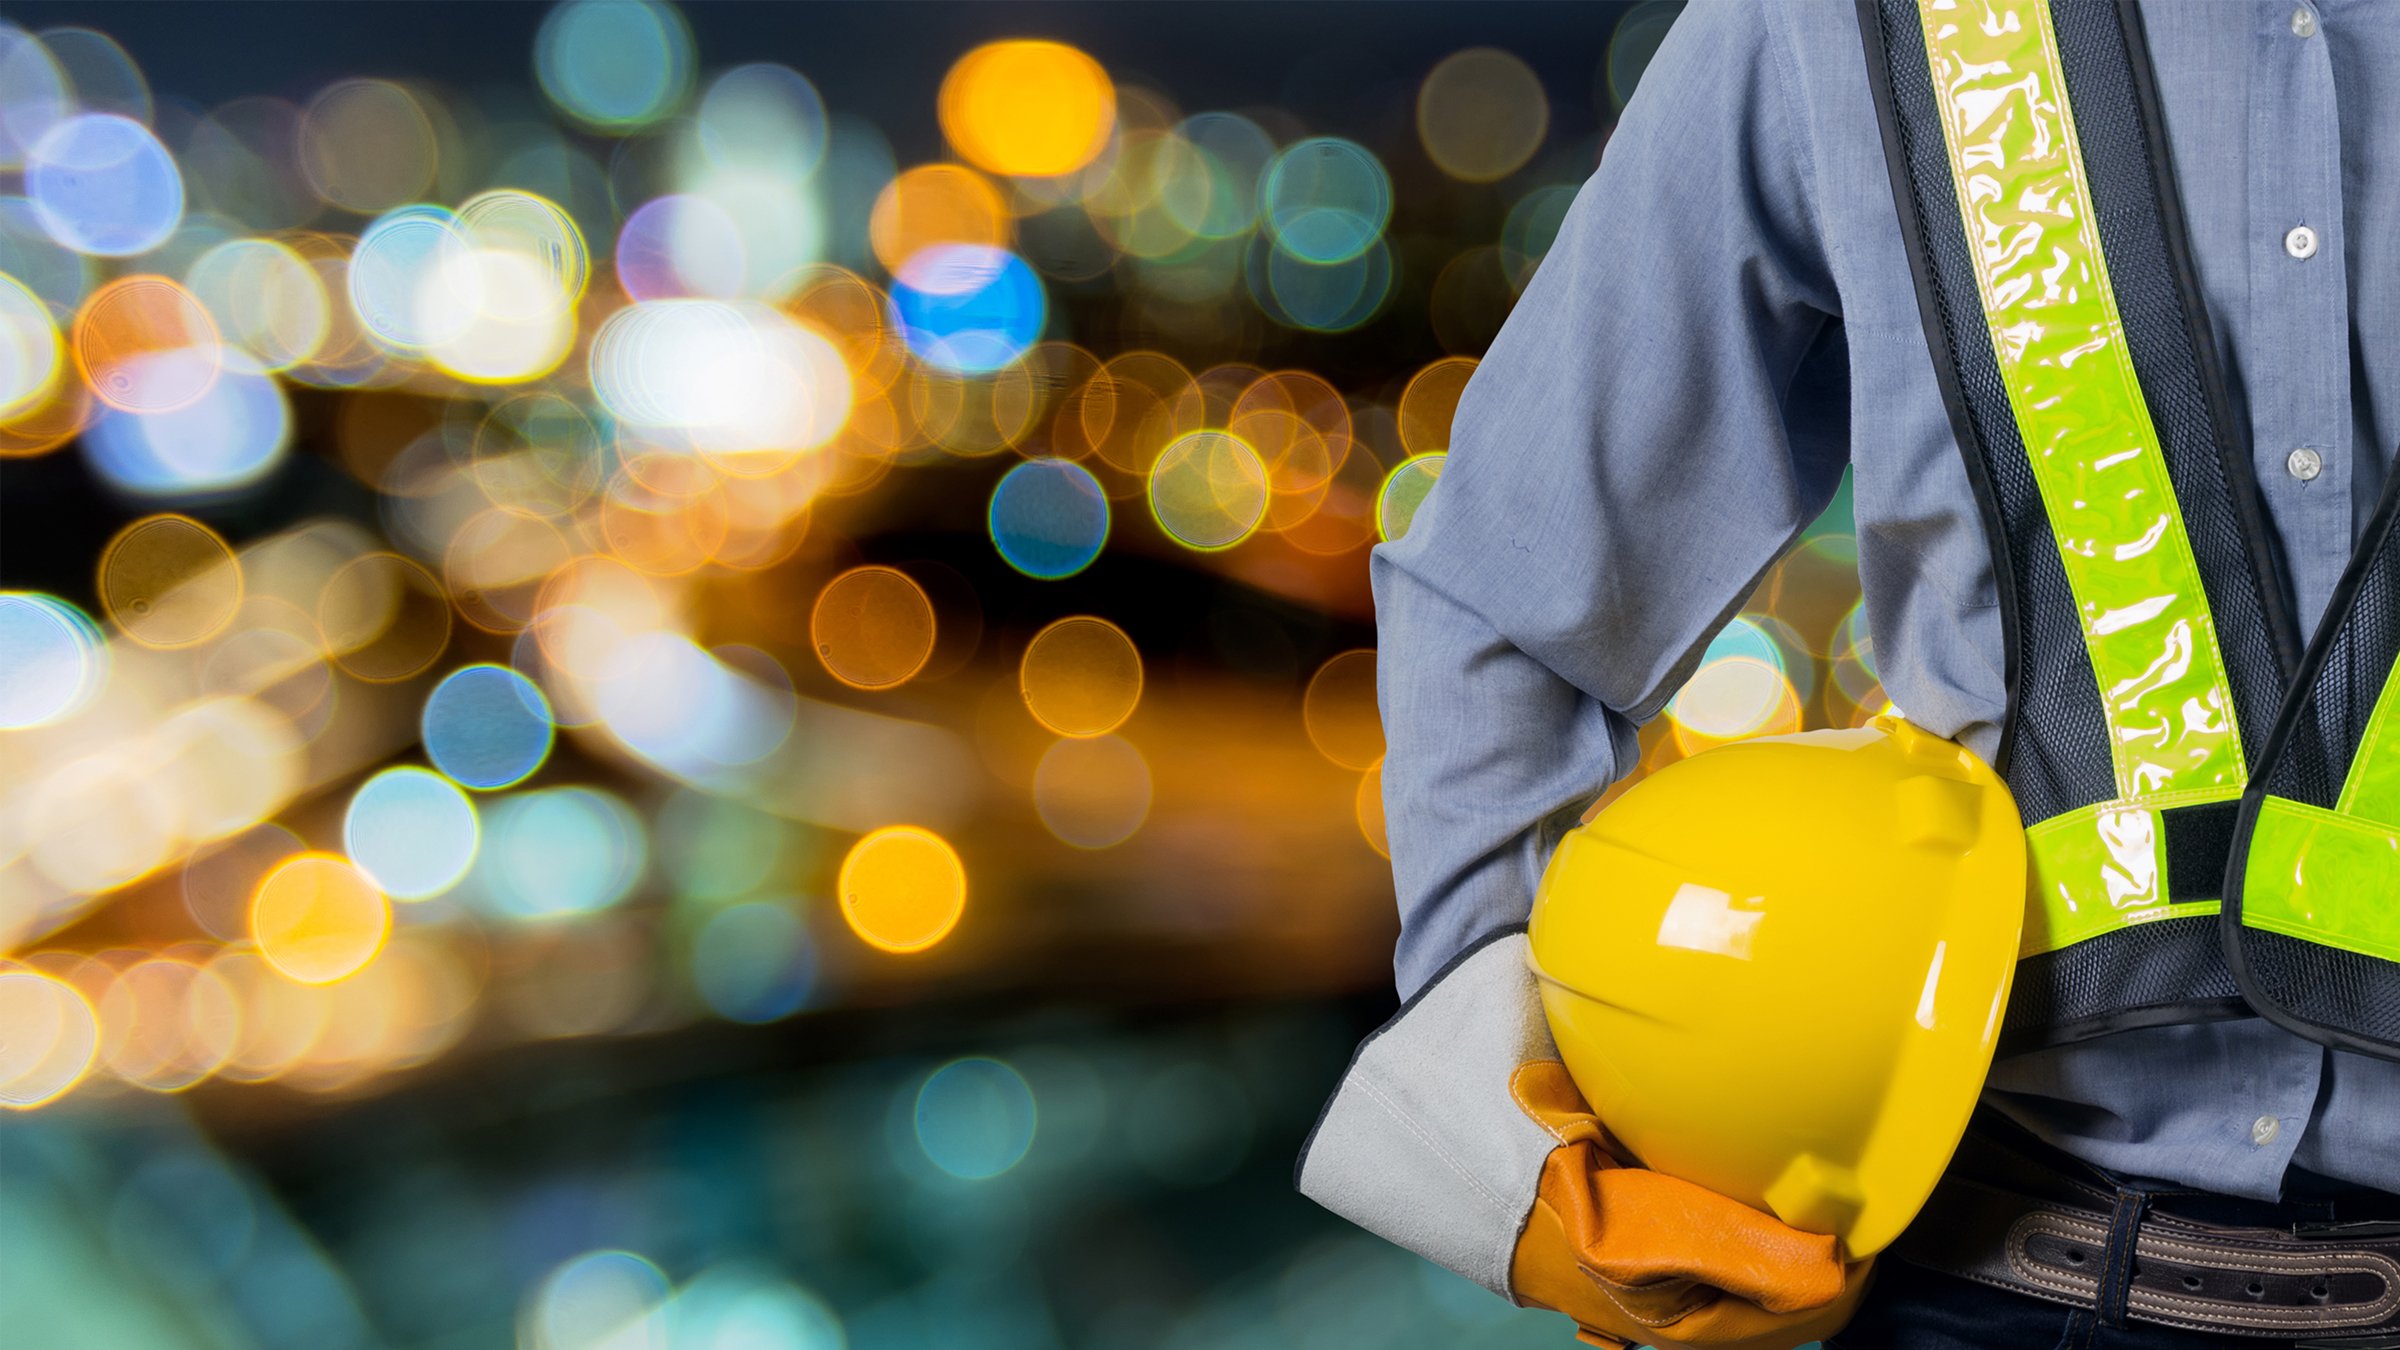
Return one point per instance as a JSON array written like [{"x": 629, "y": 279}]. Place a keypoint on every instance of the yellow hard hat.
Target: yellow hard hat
[{"x": 1777, "y": 968}]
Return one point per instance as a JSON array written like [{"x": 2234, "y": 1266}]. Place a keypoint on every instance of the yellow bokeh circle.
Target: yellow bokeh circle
[
  {"x": 166, "y": 1023},
  {"x": 903, "y": 888},
  {"x": 144, "y": 344},
  {"x": 1430, "y": 403},
  {"x": 1028, "y": 108},
  {"x": 1731, "y": 698},
  {"x": 1368, "y": 807},
  {"x": 1339, "y": 711},
  {"x": 873, "y": 627},
  {"x": 317, "y": 918},
  {"x": 1481, "y": 114},
  {"x": 932, "y": 205},
  {"x": 383, "y": 617},
  {"x": 169, "y": 581},
  {"x": 1094, "y": 793},
  {"x": 1081, "y": 677},
  {"x": 31, "y": 354},
  {"x": 48, "y": 1035},
  {"x": 1208, "y": 490}
]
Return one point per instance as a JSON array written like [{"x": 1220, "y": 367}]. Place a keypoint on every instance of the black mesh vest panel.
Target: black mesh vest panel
[{"x": 2054, "y": 751}]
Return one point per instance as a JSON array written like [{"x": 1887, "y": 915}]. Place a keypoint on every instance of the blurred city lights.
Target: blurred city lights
[
  {"x": 267, "y": 299},
  {"x": 1339, "y": 711},
  {"x": 229, "y": 435},
  {"x": 219, "y": 883},
  {"x": 1481, "y": 114},
  {"x": 1740, "y": 689},
  {"x": 1326, "y": 199},
  {"x": 1034, "y": 109},
  {"x": 968, "y": 308},
  {"x": 1081, "y": 676},
  {"x": 1371, "y": 822},
  {"x": 366, "y": 146},
  {"x": 935, "y": 206},
  {"x": 680, "y": 245},
  {"x": 384, "y": 617},
  {"x": 975, "y": 1118},
  {"x": 1092, "y": 793},
  {"x": 33, "y": 94},
  {"x": 1405, "y": 489},
  {"x": 414, "y": 832},
  {"x": 318, "y": 919},
  {"x": 146, "y": 345},
  {"x": 716, "y": 848},
  {"x": 1208, "y": 490},
  {"x": 48, "y": 1035},
  {"x": 169, "y": 581},
  {"x": 737, "y": 1308},
  {"x": 603, "y": 1300},
  {"x": 30, "y": 352},
  {"x": 52, "y": 659},
  {"x": 1332, "y": 297},
  {"x": 614, "y": 64},
  {"x": 559, "y": 852},
  {"x": 873, "y": 627},
  {"x": 487, "y": 726},
  {"x": 1049, "y": 518},
  {"x": 521, "y": 553},
  {"x": 752, "y": 962},
  {"x": 1532, "y": 226},
  {"x": 104, "y": 185},
  {"x": 902, "y": 888}
]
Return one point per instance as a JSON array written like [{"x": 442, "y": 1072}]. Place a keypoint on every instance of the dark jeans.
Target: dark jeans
[{"x": 1913, "y": 1308}]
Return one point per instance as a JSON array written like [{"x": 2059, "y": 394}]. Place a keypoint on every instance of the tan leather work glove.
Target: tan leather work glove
[
  {"x": 1457, "y": 1134},
  {"x": 1637, "y": 1257}
]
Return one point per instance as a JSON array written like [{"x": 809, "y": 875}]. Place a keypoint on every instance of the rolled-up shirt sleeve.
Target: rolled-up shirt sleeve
[{"x": 1664, "y": 411}]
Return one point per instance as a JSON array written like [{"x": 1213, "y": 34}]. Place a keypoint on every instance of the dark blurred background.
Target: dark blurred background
[{"x": 923, "y": 865}]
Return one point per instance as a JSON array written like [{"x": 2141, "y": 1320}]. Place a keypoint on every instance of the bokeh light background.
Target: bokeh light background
[{"x": 703, "y": 678}]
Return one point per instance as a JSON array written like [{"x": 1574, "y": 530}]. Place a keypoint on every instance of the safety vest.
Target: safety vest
[{"x": 2213, "y": 814}]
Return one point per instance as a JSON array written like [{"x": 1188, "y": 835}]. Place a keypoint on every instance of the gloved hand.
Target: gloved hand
[
  {"x": 1457, "y": 1133},
  {"x": 1639, "y": 1257}
]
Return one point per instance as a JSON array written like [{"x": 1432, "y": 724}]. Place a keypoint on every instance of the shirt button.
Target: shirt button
[
  {"x": 2304, "y": 24},
  {"x": 2301, "y": 242},
  {"x": 2304, "y": 464},
  {"x": 2264, "y": 1129}
]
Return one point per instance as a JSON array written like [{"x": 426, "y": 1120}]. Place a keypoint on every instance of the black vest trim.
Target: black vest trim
[
  {"x": 2054, "y": 751},
  {"x": 2231, "y": 432},
  {"x": 2068, "y": 765},
  {"x": 2329, "y": 995}
]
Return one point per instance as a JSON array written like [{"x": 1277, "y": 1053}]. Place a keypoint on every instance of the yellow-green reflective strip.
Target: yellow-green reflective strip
[
  {"x": 2019, "y": 173},
  {"x": 2372, "y": 788},
  {"x": 2323, "y": 877},
  {"x": 2095, "y": 871}
]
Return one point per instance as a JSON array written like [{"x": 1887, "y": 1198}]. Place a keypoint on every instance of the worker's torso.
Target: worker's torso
[{"x": 2271, "y": 115}]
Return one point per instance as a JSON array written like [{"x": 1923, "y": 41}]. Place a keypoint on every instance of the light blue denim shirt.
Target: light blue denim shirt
[{"x": 1725, "y": 322}]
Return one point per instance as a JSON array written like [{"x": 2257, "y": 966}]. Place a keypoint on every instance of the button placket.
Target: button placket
[{"x": 2300, "y": 397}]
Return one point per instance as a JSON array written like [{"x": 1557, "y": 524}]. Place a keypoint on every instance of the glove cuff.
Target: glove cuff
[{"x": 1423, "y": 1143}]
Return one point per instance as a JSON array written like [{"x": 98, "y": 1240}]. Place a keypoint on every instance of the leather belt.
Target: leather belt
[{"x": 2127, "y": 1256}]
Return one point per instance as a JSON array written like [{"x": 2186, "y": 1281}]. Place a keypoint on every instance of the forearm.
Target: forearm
[{"x": 1491, "y": 756}]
